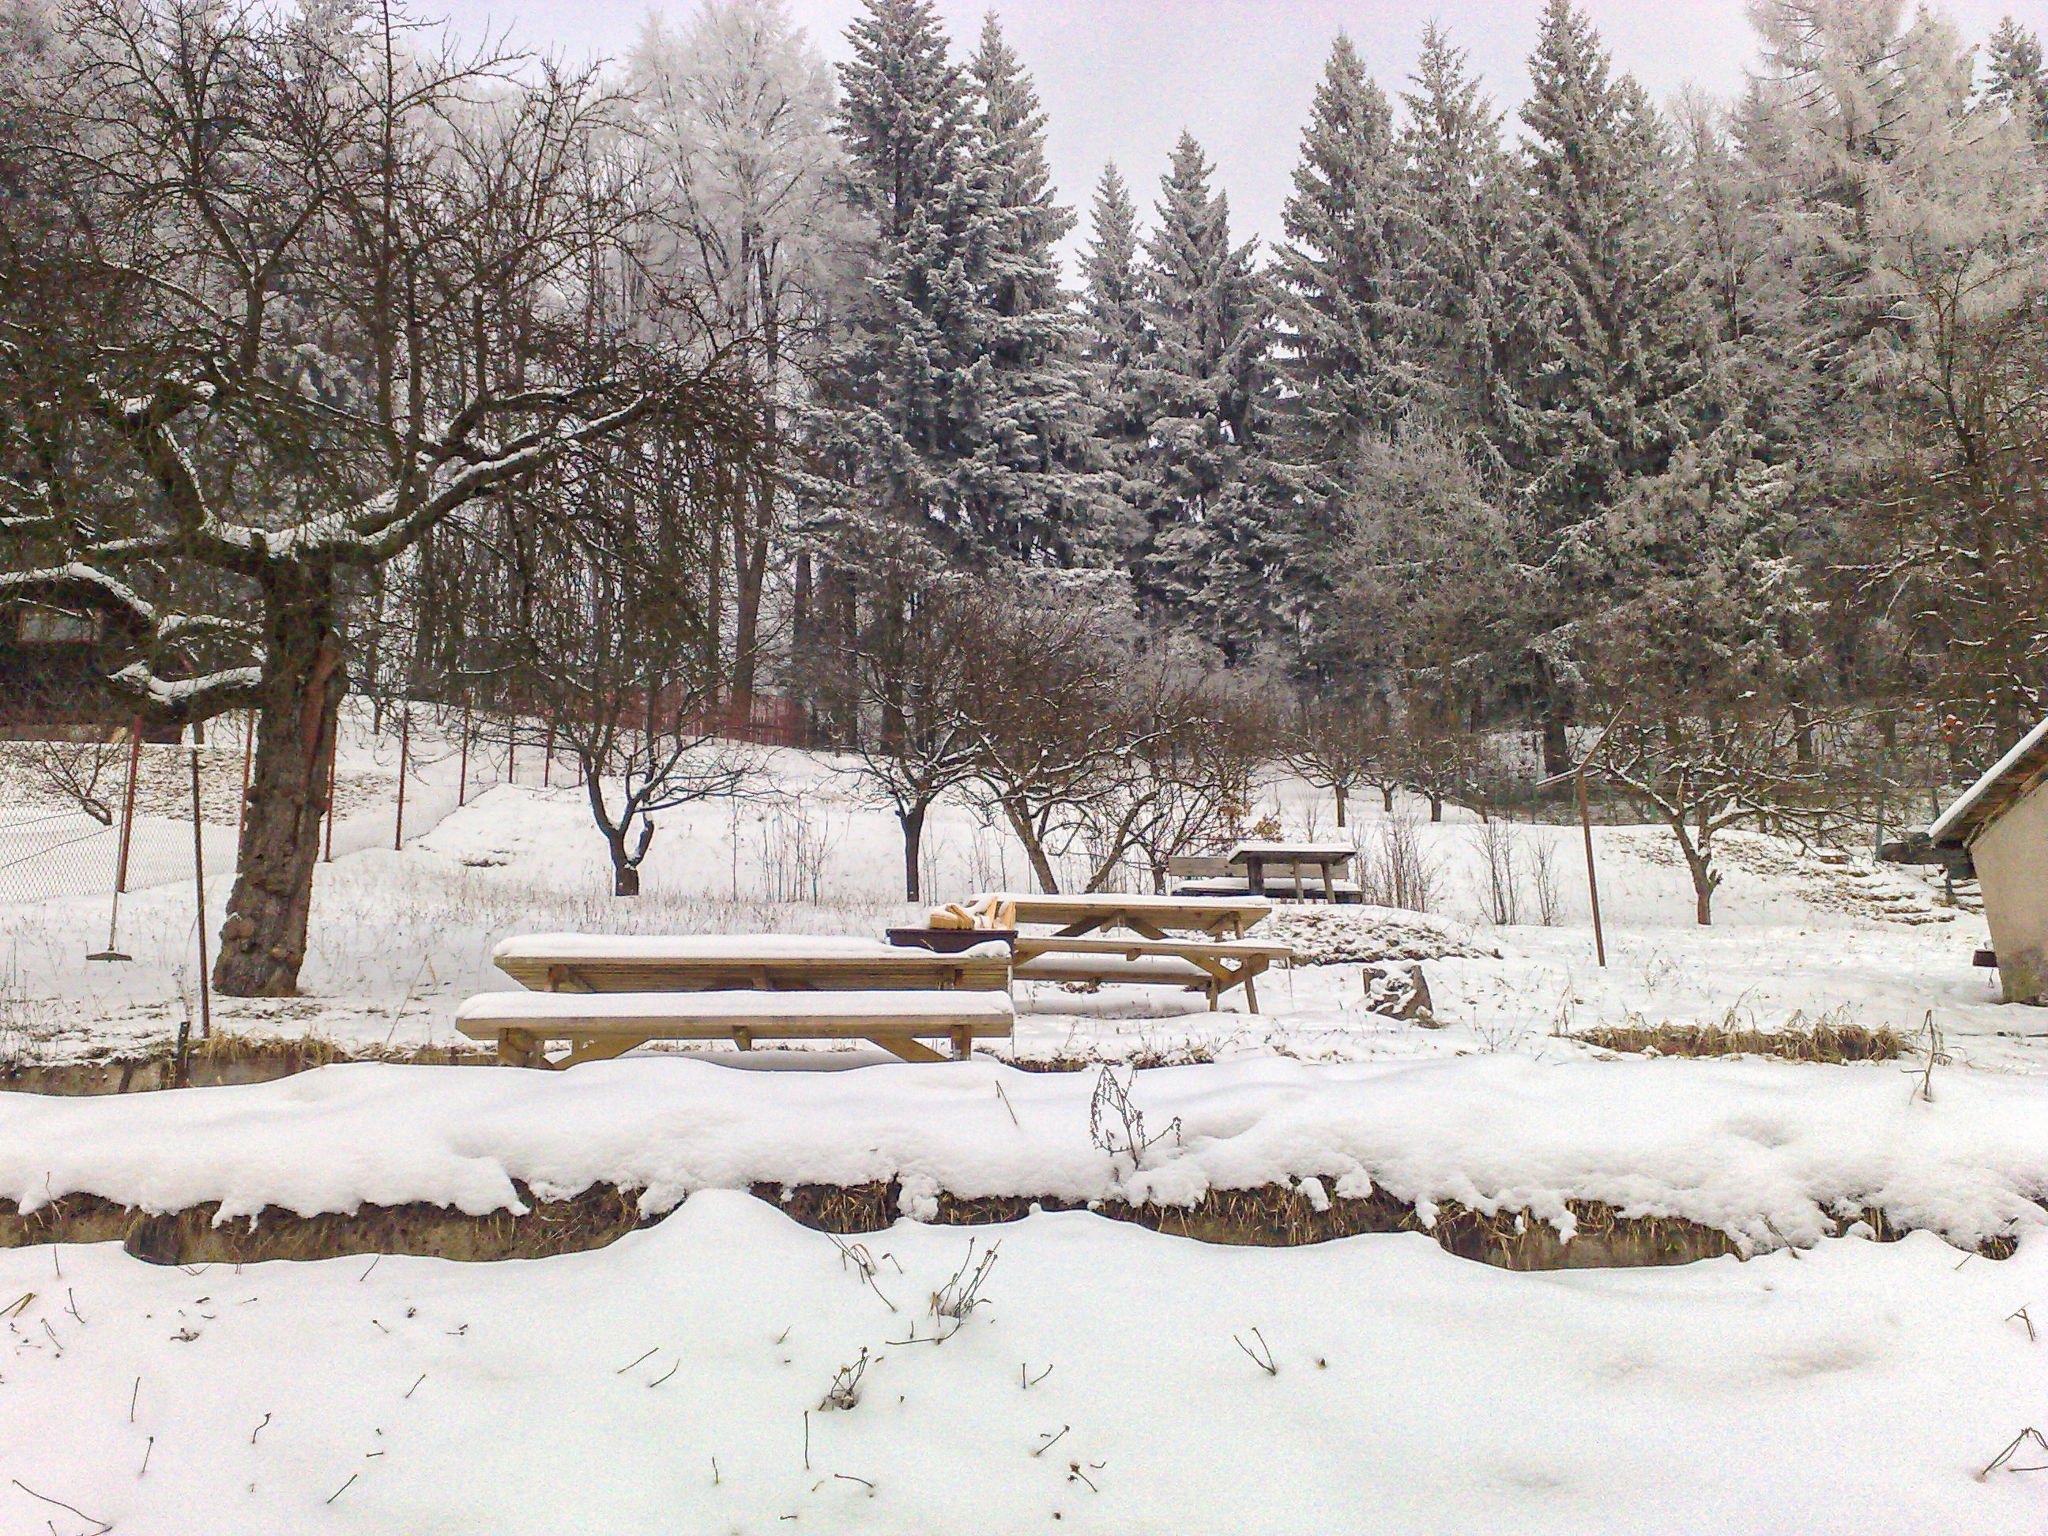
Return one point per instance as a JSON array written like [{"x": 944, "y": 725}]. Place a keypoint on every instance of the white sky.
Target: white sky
[{"x": 1120, "y": 78}]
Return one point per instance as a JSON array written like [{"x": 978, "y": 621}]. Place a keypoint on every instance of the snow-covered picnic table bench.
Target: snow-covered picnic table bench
[
  {"x": 1202, "y": 960},
  {"x": 1208, "y": 966},
  {"x": 607, "y": 993},
  {"x": 764, "y": 962},
  {"x": 601, "y": 1025}
]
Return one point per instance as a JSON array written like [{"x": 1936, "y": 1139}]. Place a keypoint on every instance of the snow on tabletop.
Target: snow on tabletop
[
  {"x": 1112, "y": 901},
  {"x": 1766, "y": 1151},
  {"x": 718, "y": 946},
  {"x": 498, "y": 1007},
  {"x": 673, "y": 1382}
]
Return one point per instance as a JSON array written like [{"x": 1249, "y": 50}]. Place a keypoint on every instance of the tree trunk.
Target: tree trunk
[
  {"x": 1387, "y": 798},
  {"x": 1557, "y": 748},
  {"x": 1034, "y": 849},
  {"x": 1340, "y": 805},
  {"x": 1436, "y": 806},
  {"x": 263, "y": 942},
  {"x": 625, "y": 874},
  {"x": 912, "y": 822},
  {"x": 1699, "y": 863}
]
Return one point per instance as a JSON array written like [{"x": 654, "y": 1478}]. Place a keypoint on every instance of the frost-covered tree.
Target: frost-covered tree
[
  {"x": 2016, "y": 80},
  {"x": 744, "y": 175},
  {"x": 1113, "y": 309},
  {"x": 1458, "y": 209},
  {"x": 906, "y": 391},
  {"x": 1336, "y": 277},
  {"x": 1029, "y": 484},
  {"x": 392, "y": 299},
  {"x": 1213, "y": 555},
  {"x": 1607, "y": 354}
]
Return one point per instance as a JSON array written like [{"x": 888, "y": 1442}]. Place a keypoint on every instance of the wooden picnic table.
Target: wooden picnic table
[
  {"x": 1328, "y": 859},
  {"x": 1151, "y": 917},
  {"x": 765, "y": 962}
]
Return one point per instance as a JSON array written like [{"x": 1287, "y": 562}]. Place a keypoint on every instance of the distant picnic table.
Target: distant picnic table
[{"x": 1330, "y": 861}]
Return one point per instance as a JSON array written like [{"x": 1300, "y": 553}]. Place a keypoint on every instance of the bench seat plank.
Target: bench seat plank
[{"x": 603, "y": 1024}]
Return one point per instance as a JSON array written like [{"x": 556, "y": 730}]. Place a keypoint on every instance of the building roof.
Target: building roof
[{"x": 2012, "y": 777}]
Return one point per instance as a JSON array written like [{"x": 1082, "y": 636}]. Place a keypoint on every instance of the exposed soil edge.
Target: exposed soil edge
[{"x": 1273, "y": 1216}]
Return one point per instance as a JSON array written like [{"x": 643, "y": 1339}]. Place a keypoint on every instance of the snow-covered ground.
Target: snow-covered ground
[
  {"x": 669, "y": 1382},
  {"x": 676, "y": 1381}
]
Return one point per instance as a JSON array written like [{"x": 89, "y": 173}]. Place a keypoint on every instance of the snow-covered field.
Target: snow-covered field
[{"x": 682, "y": 1379}]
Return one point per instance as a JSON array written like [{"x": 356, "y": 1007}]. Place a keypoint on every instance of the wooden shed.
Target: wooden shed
[
  {"x": 2002, "y": 822},
  {"x": 57, "y": 650}
]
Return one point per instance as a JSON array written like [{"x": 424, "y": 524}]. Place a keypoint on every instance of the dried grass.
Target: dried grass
[
  {"x": 1827, "y": 1040},
  {"x": 1273, "y": 1216}
]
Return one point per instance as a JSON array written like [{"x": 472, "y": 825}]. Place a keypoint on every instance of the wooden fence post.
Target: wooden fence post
[{"x": 404, "y": 754}]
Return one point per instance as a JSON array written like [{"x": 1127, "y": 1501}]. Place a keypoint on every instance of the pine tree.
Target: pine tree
[
  {"x": 1028, "y": 481},
  {"x": 1458, "y": 212},
  {"x": 1212, "y": 551},
  {"x": 1336, "y": 277},
  {"x": 2017, "y": 81},
  {"x": 906, "y": 394},
  {"x": 1112, "y": 304},
  {"x": 1610, "y": 373}
]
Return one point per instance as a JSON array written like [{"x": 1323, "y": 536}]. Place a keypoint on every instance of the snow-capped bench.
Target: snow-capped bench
[
  {"x": 764, "y": 962},
  {"x": 600, "y": 1025},
  {"x": 1208, "y": 966}
]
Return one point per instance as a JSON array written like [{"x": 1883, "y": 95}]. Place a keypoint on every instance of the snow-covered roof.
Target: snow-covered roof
[{"x": 2011, "y": 777}]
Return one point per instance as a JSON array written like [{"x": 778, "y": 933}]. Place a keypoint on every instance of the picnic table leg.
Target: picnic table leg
[
  {"x": 1251, "y": 994},
  {"x": 907, "y": 1048},
  {"x": 519, "y": 1048},
  {"x": 743, "y": 1038},
  {"x": 963, "y": 1044}
]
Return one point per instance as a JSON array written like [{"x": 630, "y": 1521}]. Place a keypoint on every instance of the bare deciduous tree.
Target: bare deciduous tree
[{"x": 288, "y": 290}]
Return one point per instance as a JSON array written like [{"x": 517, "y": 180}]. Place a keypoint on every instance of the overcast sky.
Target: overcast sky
[{"x": 1121, "y": 78}]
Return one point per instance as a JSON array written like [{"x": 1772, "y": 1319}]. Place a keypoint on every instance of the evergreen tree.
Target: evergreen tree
[
  {"x": 1028, "y": 481},
  {"x": 2017, "y": 80},
  {"x": 1213, "y": 555},
  {"x": 1609, "y": 370},
  {"x": 906, "y": 394},
  {"x": 1458, "y": 213},
  {"x": 1336, "y": 275},
  {"x": 1112, "y": 304}
]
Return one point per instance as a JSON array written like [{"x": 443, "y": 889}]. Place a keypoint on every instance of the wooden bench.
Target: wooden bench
[
  {"x": 601, "y": 1025},
  {"x": 1149, "y": 916},
  {"x": 579, "y": 962},
  {"x": 1211, "y": 967}
]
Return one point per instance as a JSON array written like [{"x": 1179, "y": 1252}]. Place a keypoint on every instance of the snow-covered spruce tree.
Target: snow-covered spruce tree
[
  {"x": 744, "y": 177},
  {"x": 1607, "y": 355},
  {"x": 1215, "y": 555},
  {"x": 1028, "y": 481},
  {"x": 379, "y": 314},
  {"x": 2016, "y": 79},
  {"x": 903, "y": 395},
  {"x": 1116, "y": 345},
  {"x": 1336, "y": 276},
  {"x": 1457, "y": 206}
]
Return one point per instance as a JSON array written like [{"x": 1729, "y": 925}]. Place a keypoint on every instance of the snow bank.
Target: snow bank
[
  {"x": 674, "y": 1382},
  {"x": 1767, "y": 1152},
  {"x": 1332, "y": 935}
]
